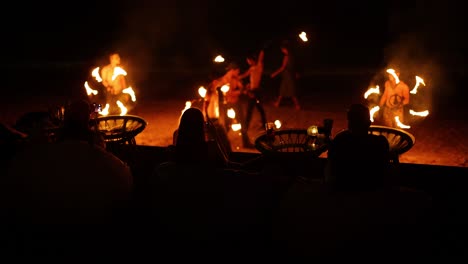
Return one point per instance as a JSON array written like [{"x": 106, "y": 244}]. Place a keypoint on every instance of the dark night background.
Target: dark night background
[{"x": 170, "y": 38}]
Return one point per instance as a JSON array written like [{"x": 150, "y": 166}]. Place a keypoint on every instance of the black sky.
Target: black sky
[{"x": 190, "y": 33}]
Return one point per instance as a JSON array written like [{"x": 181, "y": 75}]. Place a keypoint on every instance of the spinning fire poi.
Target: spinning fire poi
[
  {"x": 393, "y": 101},
  {"x": 115, "y": 93}
]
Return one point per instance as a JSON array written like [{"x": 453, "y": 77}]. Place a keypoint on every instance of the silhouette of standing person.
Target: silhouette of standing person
[{"x": 288, "y": 77}]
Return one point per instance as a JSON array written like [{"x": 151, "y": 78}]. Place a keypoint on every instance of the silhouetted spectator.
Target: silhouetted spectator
[
  {"x": 76, "y": 124},
  {"x": 71, "y": 196},
  {"x": 199, "y": 201},
  {"x": 36, "y": 125},
  {"x": 358, "y": 160}
]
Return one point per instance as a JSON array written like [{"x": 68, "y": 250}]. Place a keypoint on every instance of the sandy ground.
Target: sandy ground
[{"x": 438, "y": 142}]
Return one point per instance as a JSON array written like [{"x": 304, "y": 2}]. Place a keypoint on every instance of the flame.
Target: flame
[
  {"x": 422, "y": 113},
  {"x": 399, "y": 124},
  {"x": 123, "y": 109},
  {"x": 418, "y": 81},
  {"x": 372, "y": 90},
  {"x": 95, "y": 74},
  {"x": 277, "y": 124},
  {"x": 219, "y": 58},
  {"x": 373, "y": 110},
  {"x": 225, "y": 88},
  {"x": 303, "y": 36},
  {"x": 202, "y": 91},
  {"x": 236, "y": 127},
  {"x": 105, "y": 110},
  {"x": 130, "y": 91},
  {"x": 392, "y": 72},
  {"x": 118, "y": 71},
  {"x": 89, "y": 90},
  {"x": 231, "y": 113},
  {"x": 188, "y": 104}
]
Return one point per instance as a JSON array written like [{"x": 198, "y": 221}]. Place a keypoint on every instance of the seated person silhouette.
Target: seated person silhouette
[
  {"x": 358, "y": 160},
  {"x": 64, "y": 188},
  {"x": 76, "y": 124},
  {"x": 198, "y": 200}
]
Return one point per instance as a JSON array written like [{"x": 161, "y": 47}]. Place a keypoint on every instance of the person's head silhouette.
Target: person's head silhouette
[
  {"x": 359, "y": 118},
  {"x": 190, "y": 143},
  {"x": 77, "y": 114},
  {"x": 191, "y": 128}
]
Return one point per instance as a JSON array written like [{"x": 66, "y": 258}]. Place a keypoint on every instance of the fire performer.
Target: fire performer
[
  {"x": 253, "y": 88},
  {"x": 113, "y": 81},
  {"x": 231, "y": 99},
  {"x": 394, "y": 99}
]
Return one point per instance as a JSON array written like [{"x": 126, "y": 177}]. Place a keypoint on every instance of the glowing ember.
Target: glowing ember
[{"x": 303, "y": 36}]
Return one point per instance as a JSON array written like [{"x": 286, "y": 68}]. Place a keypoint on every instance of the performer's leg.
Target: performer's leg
[
  {"x": 296, "y": 102},
  {"x": 278, "y": 101},
  {"x": 261, "y": 110},
  {"x": 248, "y": 117}
]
